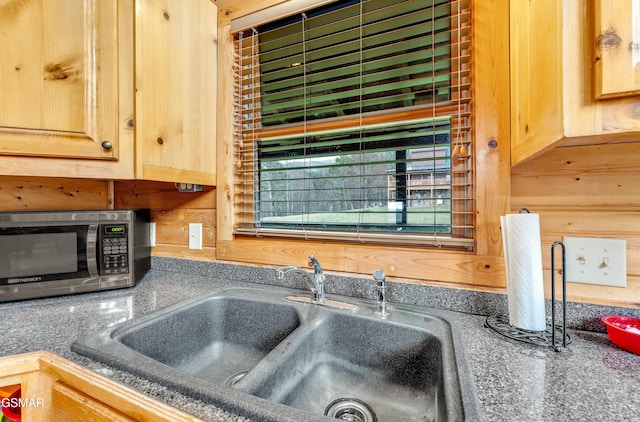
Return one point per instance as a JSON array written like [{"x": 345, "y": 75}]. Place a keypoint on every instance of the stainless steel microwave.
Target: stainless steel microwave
[{"x": 51, "y": 253}]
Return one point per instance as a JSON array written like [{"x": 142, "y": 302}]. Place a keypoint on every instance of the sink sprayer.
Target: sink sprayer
[{"x": 381, "y": 293}]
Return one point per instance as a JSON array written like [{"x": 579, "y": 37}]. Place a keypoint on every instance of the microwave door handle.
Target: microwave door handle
[{"x": 92, "y": 249}]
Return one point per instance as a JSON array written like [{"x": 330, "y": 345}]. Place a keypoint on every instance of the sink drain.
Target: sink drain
[
  {"x": 353, "y": 410},
  {"x": 235, "y": 378}
]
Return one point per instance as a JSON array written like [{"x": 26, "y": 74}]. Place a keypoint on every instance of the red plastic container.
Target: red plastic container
[{"x": 624, "y": 332}]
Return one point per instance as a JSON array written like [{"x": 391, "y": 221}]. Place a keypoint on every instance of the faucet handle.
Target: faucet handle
[
  {"x": 312, "y": 261},
  {"x": 317, "y": 268}
]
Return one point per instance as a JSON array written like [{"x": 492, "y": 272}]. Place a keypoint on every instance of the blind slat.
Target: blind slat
[
  {"x": 420, "y": 75},
  {"x": 338, "y": 67},
  {"x": 376, "y": 47},
  {"x": 335, "y": 44}
]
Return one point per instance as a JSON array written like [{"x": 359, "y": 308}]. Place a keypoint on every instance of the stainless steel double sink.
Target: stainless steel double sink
[{"x": 253, "y": 352}]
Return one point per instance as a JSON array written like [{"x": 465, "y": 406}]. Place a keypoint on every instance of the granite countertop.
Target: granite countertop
[{"x": 591, "y": 380}]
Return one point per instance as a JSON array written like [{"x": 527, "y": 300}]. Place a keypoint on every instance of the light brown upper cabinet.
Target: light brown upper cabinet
[
  {"x": 176, "y": 68},
  {"x": 108, "y": 89},
  {"x": 554, "y": 99},
  {"x": 59, "y": 73}
]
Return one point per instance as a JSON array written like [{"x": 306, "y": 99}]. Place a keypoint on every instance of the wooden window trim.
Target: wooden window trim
[{"x": 484, "y": 266}]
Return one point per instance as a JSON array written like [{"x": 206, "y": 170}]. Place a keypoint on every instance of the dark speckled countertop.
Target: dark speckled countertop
[{"x": 592, "y": 380}]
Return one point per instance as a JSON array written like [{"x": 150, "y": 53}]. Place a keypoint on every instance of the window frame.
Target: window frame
[
  {"x": 461, "y": 226},
  {"x": 482, "y": 267}
]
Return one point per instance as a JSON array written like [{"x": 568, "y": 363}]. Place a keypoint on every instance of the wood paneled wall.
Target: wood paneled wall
[
  {"x": 586, "y": 191},
  {"x": 52, "y": 193},
  {"x": 172, "y": 211}
]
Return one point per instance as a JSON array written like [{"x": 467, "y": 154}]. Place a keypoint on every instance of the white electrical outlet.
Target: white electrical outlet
[
  {"x": 152, "y": 234},
  {"x": 596, "y": 261},
  {"x": 195, "y": 236}
]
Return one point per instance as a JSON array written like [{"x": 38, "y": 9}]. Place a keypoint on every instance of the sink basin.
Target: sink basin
[
  {"x": 218, "y": 339},
  {"x": 253, "y": 352},
  {"x": 360, "y": 365}
]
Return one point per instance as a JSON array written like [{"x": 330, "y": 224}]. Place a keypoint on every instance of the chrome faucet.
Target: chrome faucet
[
  {"x": 315, "y": 281},
  {"x": 318, "y": 278},
  {"x": 381, "y": 293}
]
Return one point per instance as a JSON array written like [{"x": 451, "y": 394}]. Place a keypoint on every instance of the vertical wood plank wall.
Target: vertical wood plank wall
[
  {"x": 585, "y": 191},
  {"x": 172, "y": 211}
]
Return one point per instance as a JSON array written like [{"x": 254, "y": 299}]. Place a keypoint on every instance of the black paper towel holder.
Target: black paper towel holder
[{"x": 546, "y": 338}]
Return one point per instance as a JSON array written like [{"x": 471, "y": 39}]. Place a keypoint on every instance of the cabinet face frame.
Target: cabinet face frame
[
  {"x": 58, "y": 389},
  {"x": 60, "y": 80}
]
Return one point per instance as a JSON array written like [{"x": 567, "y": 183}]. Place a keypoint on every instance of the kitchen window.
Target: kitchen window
[{"x": 352, "y": 121}]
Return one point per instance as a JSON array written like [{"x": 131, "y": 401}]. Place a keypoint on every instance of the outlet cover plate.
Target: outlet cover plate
[
  {"x": 195, "y": 236},
  {"x": 596, "y": 261}
]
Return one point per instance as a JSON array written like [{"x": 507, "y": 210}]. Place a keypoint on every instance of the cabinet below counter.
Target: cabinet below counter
[
  {"x": 591, "y": 379},
  {"x": 48, "y": 387}
]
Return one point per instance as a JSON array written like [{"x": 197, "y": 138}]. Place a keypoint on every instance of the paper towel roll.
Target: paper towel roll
[{"x": 523, "y": 267}]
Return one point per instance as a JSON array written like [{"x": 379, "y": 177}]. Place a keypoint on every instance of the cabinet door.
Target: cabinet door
[
  {"x": 58, "y": 78},
  {"x": 176, "y": 48},
  {"x": 617, "y": 44}
]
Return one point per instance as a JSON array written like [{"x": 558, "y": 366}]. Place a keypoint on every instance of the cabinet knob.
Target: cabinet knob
[{"x": 107, "y": 145}]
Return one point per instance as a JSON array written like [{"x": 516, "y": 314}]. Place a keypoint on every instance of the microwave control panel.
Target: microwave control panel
[{"x": 114, "y": 249}]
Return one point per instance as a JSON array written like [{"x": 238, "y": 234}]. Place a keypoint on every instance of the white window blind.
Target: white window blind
[{"x": 352, "y": 121}]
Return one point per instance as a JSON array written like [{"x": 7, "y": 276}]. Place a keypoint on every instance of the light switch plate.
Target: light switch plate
[
  {"x": 596, "y": 261},
  {"x": 195, "y": 236}
]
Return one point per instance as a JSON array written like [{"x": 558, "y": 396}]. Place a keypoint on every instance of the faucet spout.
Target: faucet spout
[
  {"x": 281, "y": 274},
  {"x": 315, "y": 282}
]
